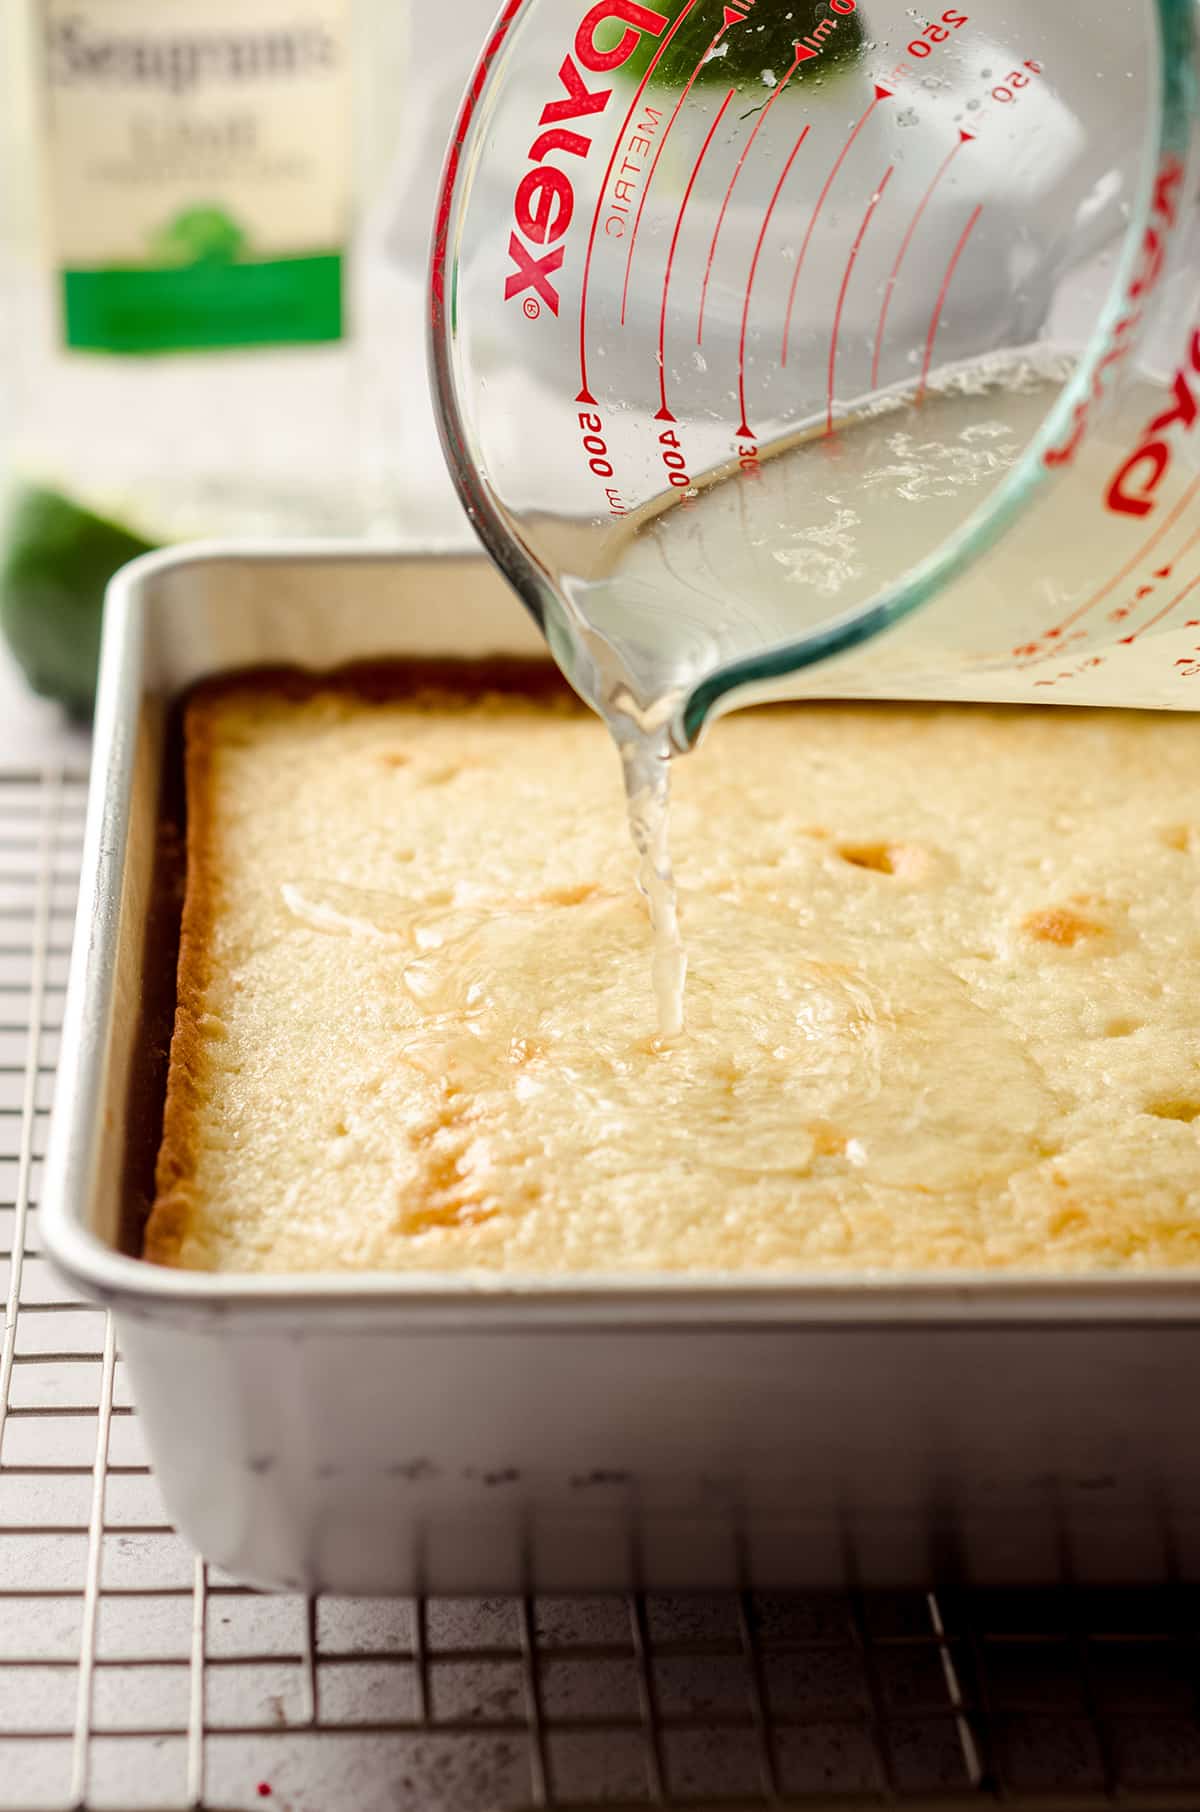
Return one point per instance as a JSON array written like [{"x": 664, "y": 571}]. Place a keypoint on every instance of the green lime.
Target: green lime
[
  {"x": 55, "y": 560},
  {"x": 755, "y": 52}
]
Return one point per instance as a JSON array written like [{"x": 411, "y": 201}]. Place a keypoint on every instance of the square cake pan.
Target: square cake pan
[{"x": 379, "y": 1432}]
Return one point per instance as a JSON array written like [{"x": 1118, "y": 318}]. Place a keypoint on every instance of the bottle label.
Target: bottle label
[{"x": 197, "y": 170}]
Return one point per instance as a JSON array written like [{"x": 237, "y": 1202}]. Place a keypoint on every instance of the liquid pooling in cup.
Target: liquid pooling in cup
[{"x": 835, "y": 349}]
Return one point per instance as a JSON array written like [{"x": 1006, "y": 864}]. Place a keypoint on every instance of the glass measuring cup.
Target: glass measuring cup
[{"x": 754, "y": 325}]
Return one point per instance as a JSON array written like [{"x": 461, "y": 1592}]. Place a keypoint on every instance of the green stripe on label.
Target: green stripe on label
[{"x": 187, "y": 307}]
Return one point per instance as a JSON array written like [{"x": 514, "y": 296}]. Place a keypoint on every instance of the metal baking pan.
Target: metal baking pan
[{"x": 374, "y": 1433}]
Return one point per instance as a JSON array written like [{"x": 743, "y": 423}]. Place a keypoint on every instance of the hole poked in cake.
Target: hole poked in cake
[
  {"x": 903, "y": 860},
  {"x": 829, "y": 1141},
  {"x": 449, "y": 1194},
  {"x": 448, "y": 1185},
  {"x": 1122, "y": 1025},
  {"x": 577, "y": 893},
  {"x": 1175, "y": 1107},
  {"x": 447, "y": 1214},
  {"x": 1063, "y": 927}
]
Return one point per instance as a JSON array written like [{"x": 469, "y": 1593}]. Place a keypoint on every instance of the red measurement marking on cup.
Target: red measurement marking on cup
[
  {"x": 595, "y": 447},
  {"x": 747, "y": 457},
  {"x": 1171, "y": 604},
  {"x": 1069, "y": 673},
  {"x": 1164, "y": 612},
  {"x": 1188, "y": 664},
  {"x": 943, "y": 292},
  {"x": 881, "y": 94},
  {"x": 1005, "y": 93},
  {"x": 1098, "y": 597},
  {"x": 666, "y": 133},
  {"x": 743, "y": 432},
  {"x": 664, "y": 413},
  {"x": 935, "y": 32},
  {"x": 841, "y": 301},
  {"x": 737, "y": 170},
  {"x": 1132, "y": 489},
  {"x": 585, "y": 395},
  {"x": 964, "y": 138}
]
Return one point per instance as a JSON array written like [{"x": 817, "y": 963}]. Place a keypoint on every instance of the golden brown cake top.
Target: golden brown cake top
[{"x": 944, "y": 967}]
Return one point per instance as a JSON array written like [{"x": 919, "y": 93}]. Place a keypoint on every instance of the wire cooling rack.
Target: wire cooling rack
[{"x": 134, "y": 1677}]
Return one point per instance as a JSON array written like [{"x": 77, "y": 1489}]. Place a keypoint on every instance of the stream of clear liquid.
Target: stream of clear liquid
[
  {"x": 825, "y": 523},
  {"x": 646, "y": 759}
]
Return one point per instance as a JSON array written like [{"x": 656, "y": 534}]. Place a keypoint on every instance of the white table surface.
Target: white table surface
[{"x": 33, "y": 731}]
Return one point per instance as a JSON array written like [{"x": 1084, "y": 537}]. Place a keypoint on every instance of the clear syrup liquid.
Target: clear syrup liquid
[
  {"x": 746, "y": 564},
  {"x": 647, "y": 763}
]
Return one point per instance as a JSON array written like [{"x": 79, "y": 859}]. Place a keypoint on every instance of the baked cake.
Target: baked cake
[{"x": 943, "y": 1003}]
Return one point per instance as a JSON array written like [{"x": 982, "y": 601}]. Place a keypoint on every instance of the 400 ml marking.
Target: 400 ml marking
[{"x": 545, "y": 199}]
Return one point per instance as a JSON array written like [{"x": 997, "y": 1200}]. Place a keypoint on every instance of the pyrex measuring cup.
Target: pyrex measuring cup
[{"x": 757, "y": 324}]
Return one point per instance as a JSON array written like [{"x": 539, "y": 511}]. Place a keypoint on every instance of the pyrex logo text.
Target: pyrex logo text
[
  {"x": 545, "y": 198},
  {"x": 1131, "y": 489}
]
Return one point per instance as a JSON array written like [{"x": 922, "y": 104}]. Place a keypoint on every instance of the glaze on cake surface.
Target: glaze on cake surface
[{"x": 944, "y": 966}]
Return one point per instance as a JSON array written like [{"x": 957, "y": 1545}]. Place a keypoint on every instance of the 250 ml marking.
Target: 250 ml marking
[{"x": 936, "y": 32}]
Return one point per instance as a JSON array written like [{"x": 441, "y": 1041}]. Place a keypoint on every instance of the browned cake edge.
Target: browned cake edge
[
  {"x": 176, "y": 1166},
  {"x": 432, "y": 684}
]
